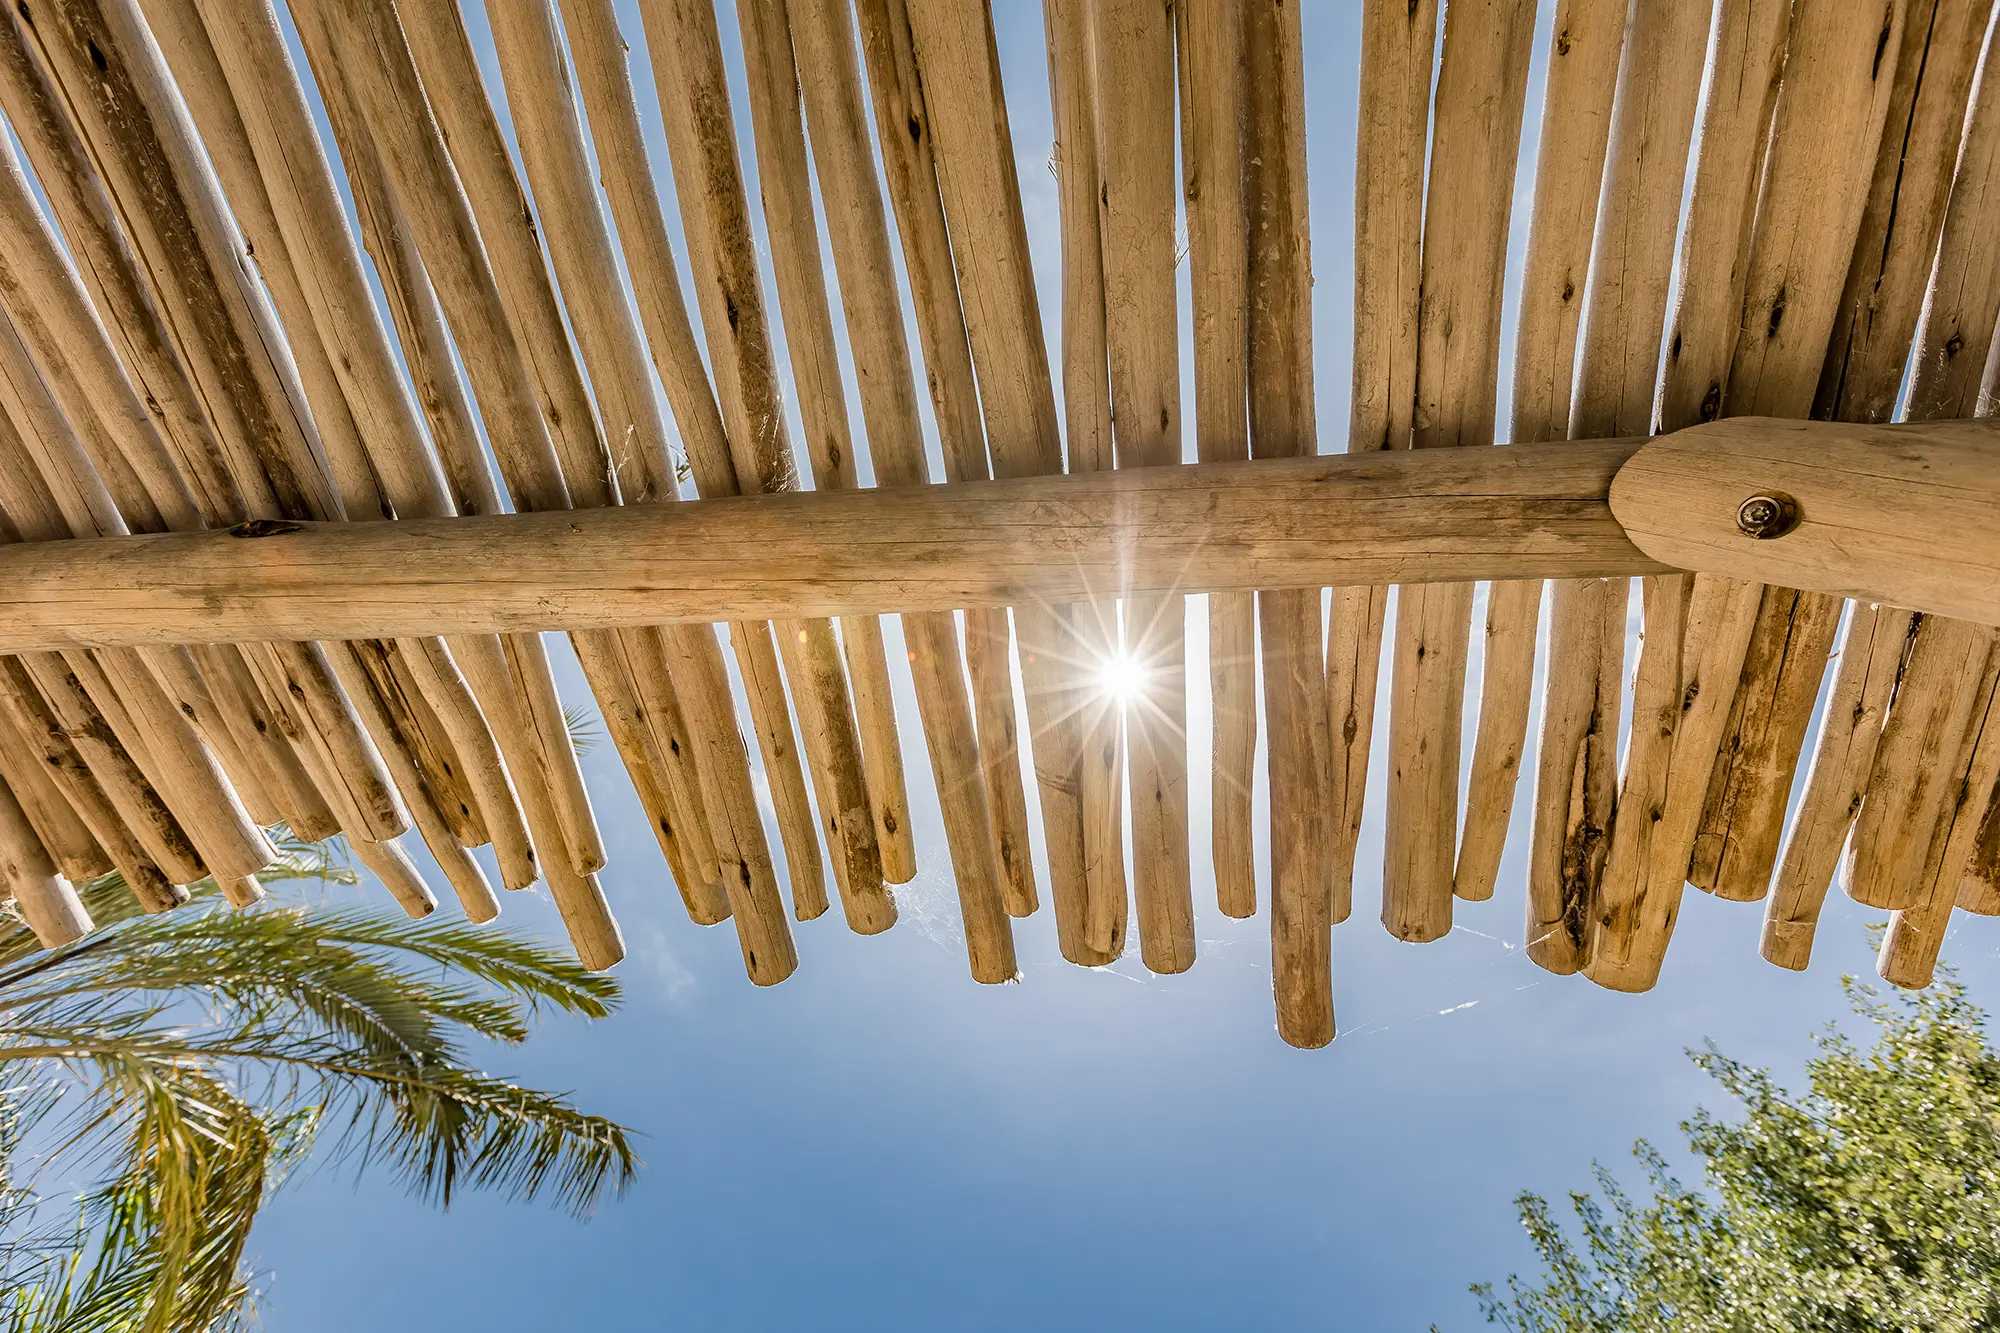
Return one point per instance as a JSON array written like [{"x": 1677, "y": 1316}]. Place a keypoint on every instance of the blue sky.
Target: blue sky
[{"x": 880, "y": 1143}]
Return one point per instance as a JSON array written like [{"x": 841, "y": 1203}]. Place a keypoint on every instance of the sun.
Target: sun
[{"x": 1122, "y": 677}]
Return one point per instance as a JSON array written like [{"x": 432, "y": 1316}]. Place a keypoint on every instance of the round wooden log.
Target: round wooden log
[
  {"x": 1914, "y": 168},
  {"x": 942, "y": 60},
  {"x": 722, "y": 760},
  {"x": 1209, "y": 51},
  {"x": 426, "y": 659},
  {"x": 1958, "y": 311},
  {"x": 1840, "y": 75},
  {"x": 1631, "y": 265},
  {"x": 377, "y": 715},
  {"x": 44, "y": 898},
  {"x": 608, "y": 337},
  {"x": 260, "y": 732},
  {"x": 62, "y": 831},
  {"x": 1526, "y": 511},
  {"x": 1910, "y": 947},
  {"x": 1874, "y": 648},
  {"x": 1895, "y": 514},
  {"x": 785, "y": 186},
  {"x": 904, "y": 142},
  {"x": 675, "y": 738},
  {"x": 111, "y": 270},
  {"x": 1398, "y": 57},
  {"x": 391, "y": 146},
  {"x": 1911, "y": 786},
  {"x": 750, "y": 642},
  {"x": 1583, "y": 61},
  {"x": 1305, "y": 874},
  {"x": 240, "y": 893},
  {"x": 1670, "y": 773},
  {"x": 687, "y": 58},
  {"x": 1133, "y": 43},
  {"x": 79, "y": 716},
  {"x": 198, "y": 74},
  {"x": 1095, "y": 723},
  {"x": 1482, "y": 85},
  {"x": 858, "y": 228},
  {"x": 30, "y": 720},
  {"x": 389, "y": 863}
]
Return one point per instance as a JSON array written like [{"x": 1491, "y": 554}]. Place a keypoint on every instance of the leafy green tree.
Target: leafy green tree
[
  {"x": 179, "y": 1064},
  {"x": 1871, "y": 1202}
]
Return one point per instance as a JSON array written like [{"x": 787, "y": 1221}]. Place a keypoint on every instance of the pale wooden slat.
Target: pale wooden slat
[
  {"x": 1398, "y": 52},
  {"x": 1914, "y": 168},
  {"x": 520, "y": 446},
  {"x": 282, "y": 188},
  {"x": 599, "y": 52},
  {"x": 953, "y": 59},
  {"x": 1583, "y": 65},
  {"x": 904, "y": 143},
  {"x": 50, "y": 492},
  {"x": 687, "y": 57},
  {"x": 1482, "y": 85},
  {"x": 858, "y": 227},
  {"x": 198, "y": 76},
  {"x": 145, "y": 149},
  {"x": 613, "y": 349},
  {"x": 1861, "y": 380},
  {"x": 31, "y": 721},
  {"x": 1617, "y": 368},
  {"x": 261, "y": 736},
  {"x": 1686, "y": 687},
  {"x": 488, "y": 774},
  {"x": 70, "y": 843},
  {"x": 1873, "y": 649},
  {"x": 1303, "y": 901},
  {"x": 397, "y": 750},
  {"x": 785, "y": 185},
  {"x": 1909, "y": 951},
  {"x": 1097, "y": 926},
  {"x": 111, "y": 270},
  {"x": 1209, "y": 47},
  {"x": 1840, "y": 73},
  {"x": 29, "y": 876},
  {"x": 1133, "y": 44},
  {"x": 368, "y": 78},
  {"x": 388, "y": 862},
  {"x": 1957, "y": 323}
]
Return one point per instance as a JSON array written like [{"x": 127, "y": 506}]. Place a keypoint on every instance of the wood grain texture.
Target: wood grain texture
[
  {"x": 1398, "y": 51},
  {"x": 1682, "y": 690},
  {"x": 1305, "y": 896},
  {"x": 1209, "y": 47},
  {"x": 1871, "y": 502},
  {"x": 1617, "y": 361},
  {"x": 1528, "y": 511},
  {"x": 1585, "y": 46},
  {"x": 1841, "y": 72},
  {"x": 1134, "y": 50},
  {"x": 1482, "y": 86}
]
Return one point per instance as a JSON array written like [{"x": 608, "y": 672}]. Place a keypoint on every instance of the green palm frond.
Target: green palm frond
[
  {"x": 202, "y": 1050},
  {"x": 584, "y": 729}
]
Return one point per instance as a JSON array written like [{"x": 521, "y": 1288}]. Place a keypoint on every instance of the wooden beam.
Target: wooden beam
[
  {"x": 1902, "y": 515},
  {"x": 1524, "y": 512}
]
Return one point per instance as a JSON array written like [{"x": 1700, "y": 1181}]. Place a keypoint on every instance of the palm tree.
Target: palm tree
[{"x": 182, "y": 1062}]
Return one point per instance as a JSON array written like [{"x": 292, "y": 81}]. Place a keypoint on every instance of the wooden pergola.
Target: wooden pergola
[{"x": 294, "y": 499}]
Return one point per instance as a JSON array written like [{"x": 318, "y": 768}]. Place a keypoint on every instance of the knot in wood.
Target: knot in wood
[
  {"x": 264, "y": 527},
  {"x": 1767, "y": 516}
]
